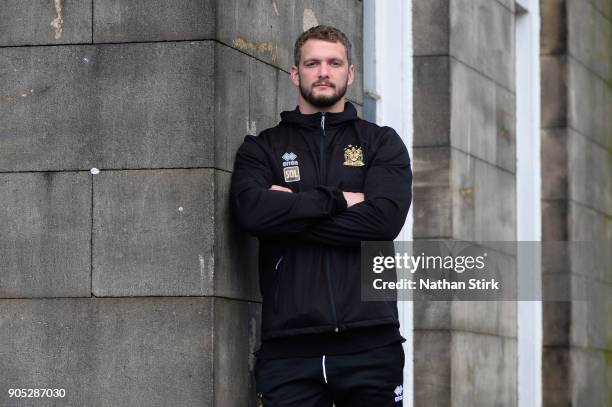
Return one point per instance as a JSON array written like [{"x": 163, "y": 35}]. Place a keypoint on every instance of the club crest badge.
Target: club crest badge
[
  {"x": 291, "y": 170},
  {"x": 353, "y": 156}
]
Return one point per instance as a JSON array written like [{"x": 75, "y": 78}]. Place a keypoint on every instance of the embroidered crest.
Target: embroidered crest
[{"x": 353, "y": 156}]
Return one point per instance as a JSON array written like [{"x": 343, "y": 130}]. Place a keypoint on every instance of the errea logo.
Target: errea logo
[
  {"x": 290, "y": 159},
  {"x": 399, "y": 393}
]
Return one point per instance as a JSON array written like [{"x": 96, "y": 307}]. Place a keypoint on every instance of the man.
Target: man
[{"x": 312, "y": 188}]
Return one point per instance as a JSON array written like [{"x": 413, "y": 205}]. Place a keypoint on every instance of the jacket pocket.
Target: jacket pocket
[{"x": 277, "y": 271}]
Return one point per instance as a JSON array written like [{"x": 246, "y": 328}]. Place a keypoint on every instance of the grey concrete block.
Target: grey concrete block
[
  {"x": 480, "y": 188},
  {"x": 484, "y": 370},
  {"x": 231, "y": 105},
  {"x": 485, "y": 317},
  {"x": 236, "y": 262},
  {"x": 554, "y": 91},
  {"x": 494, "y": 202},
  {"x": 553, "y": 35},
  {"x": 604, "y": 7},
  {"x": 589, "y": 168},
  {"x": 236, "y": 336},
  {"x": 100, "y": 106},
  {"x": 556, "y": 321},
  {"x": 432, "y": 315},
  {"x": 432, "y": 88},
  {"x": 554, "y": 165},
  {"x": 591, "y": 319},
  {"x": 554, "y": 220},
  {"x": 286, "y": 93},
  {"x": 590, "y": 37},
  {"x": 431, "y": 192},
  {"x": 153, "y": 20},
  {"x": 153, "y": 232},
  {"x": 430, "y": 27},
  {"x": 590, "y": 381},
  {"x": 109, "y": 352},
  {"x": 279, "y": 25},
  {"x": 45, "y": 223},
  {"x": 589, "y": 100},
  {"x": 482, "y": 117},
  {"x": 482, "y": 36},
  {"x": 246, "y": 93},
  {"x": 37, "y": 23},
  {"x": 556, "y": 377},
  {"x": 432, "y": 368},
  {"x": 586, "y": 224}
]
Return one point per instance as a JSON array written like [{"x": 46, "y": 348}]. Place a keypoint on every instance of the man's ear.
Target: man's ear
[
  {"x": 295, "y": 75},
  {"x": 351, "y": 74}
]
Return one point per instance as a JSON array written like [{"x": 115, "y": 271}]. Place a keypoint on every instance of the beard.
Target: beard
[{"x": 323, "y": 101}]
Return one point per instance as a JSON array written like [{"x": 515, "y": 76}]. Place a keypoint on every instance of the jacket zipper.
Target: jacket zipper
[
  {"x": 277, "y": 282},
  {"x": 323, "y": 170}
]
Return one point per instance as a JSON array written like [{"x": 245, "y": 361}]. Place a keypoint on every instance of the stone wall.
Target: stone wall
[
  {"x": 465, "y": 189},
  {"x": 576, "y": 60},
  {"x": 131, "y": 286}
]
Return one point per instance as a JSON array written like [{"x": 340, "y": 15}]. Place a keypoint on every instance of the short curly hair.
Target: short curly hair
[{"x": 321, "y": 32}]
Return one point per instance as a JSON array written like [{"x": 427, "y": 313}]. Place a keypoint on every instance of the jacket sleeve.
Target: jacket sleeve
[
  {"x": 387, "y": 198},
  {"x": 264, "y": 212}
]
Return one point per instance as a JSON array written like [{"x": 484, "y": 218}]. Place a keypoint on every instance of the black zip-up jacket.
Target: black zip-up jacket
[{"x": 309, "y": 252}]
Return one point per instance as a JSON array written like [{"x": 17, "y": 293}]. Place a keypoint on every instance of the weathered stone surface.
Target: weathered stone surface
[
  {"x": 483, "y": 370},
  {"x": 590, "y": 319},
  {"x": 100, "y": 106},
  {"x": 236, "y": 336},
  {"x": 236, "y": 263},
  {"x": 604, "y": 7},
  {"x": 432, "y": 367},
  {"x": 586, "y": 224},
  {"x": 554, "y": 165},
  {"x": 279, "y": 25},
  {"x": 484, "y": 317},
  {"x": 554, "y": 220},
  {"x": 590, "y": 384},
  {"x": 482, "y": 36},
  {"x": 589, "y": 100},
  {"x": 153, "y": 20},
  {"x": 553, "y": 35},
  {"x": 432, "y": 113},
  {"x": 287, "y": 94},
  {"x": 109, "y": 352},
  {"x": 589, "y": 165},
  {"x": 556, "y": 320},
  {"x": 590, "y": 37},
  {"x": 153, "y": 233},
  {"x": 554, "y": 88},
  {"x": 247, "y": 101},
  {"x": 480, "y": 188},
  {"x": 430, "y": 27},
  {"x": 37, "y": 23},
  {"x": 431, "y": 192},
  {"x": 482, "y": 117},
  {"x": 45, "y": 224},
  {"x": 556, "y": 386}
]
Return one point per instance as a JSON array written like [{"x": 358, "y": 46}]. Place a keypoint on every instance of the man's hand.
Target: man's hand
[
  {"x": 279, "y": 188},
  {"x": 353, "y": 198}
]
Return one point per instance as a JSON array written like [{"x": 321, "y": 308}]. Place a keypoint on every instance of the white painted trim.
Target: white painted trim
[
  {"x": 528, "y": 200},
  {"x": 393, "y": 85}
]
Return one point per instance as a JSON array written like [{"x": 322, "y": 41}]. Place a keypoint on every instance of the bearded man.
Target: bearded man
[{"x": 311, "y": 189}]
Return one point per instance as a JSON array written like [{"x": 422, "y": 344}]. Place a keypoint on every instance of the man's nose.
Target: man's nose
[{"x": 323, "y": 70}]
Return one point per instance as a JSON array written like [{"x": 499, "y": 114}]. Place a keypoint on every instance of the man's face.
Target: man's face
[{"x": 323, "y": 74}]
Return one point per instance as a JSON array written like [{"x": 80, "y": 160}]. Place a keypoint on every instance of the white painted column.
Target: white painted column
[
  {"x": 389, "y": 56},
  {"x": 528, "y": 200}
]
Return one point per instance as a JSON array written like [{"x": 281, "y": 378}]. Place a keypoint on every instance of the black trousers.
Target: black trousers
[{"x": 367, "y": 379}]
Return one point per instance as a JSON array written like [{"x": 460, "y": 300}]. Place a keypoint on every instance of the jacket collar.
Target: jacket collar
[{"x": 296, "y": 117}]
